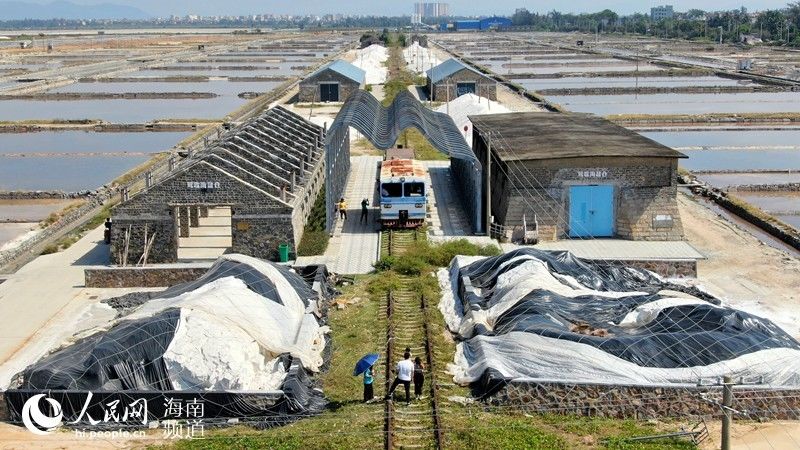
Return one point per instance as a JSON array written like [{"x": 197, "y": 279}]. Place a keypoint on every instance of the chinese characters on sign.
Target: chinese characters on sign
[
  {"x": 182, "y": 419},
  {"x": 202, "y": 184},
  {"x": 593, "y": 173},
  {"x": 191, "y": 411},
  {"x": 136, "y": 410}
]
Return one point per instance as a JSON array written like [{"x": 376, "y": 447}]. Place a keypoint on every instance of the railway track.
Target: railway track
[{"x": 416, "y": 425}]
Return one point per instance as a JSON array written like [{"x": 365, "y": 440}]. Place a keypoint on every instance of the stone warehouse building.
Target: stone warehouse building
[
  {"x": 251, "y": 191},
  {"x": 333, "y": 82},
  {"x": 453, "y": 78},
  {"x": 577, "y": 176}
]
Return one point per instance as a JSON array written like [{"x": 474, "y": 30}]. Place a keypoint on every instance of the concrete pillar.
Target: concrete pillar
[
  {"x": 204, "y": 211},
  {"x": 194, "y": 216},
  {"x": 148, "y": 179},
  {"x": 171, "y": 163},
  {"x": 293, "y": 180},
  {"x": 183, "y": 221}
]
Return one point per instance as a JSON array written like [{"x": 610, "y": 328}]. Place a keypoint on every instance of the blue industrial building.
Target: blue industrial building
[
  {"x": 495, "y": 23},
  {"x": 467, "y": 25},
  {"x": 485, "y": 24}
]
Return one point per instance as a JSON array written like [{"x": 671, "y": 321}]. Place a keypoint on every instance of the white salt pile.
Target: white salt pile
[
  {"x": 470, "y": 105},
  {"x": 371, "y": 60},
  {"x": 419, "y": 59}
]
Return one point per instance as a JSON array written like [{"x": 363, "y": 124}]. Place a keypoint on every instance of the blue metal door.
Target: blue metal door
[{"x": 591, "y": 211}]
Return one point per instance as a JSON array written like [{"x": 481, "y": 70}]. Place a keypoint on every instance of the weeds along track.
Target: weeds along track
[{"x": 416, "y": 425}]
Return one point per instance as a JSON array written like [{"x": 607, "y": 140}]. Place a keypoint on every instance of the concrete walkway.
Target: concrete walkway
[
  {"x": 353, "y": 249},
  {"x": 445, "y": 212},
  {"x": 45, "y": 302}
]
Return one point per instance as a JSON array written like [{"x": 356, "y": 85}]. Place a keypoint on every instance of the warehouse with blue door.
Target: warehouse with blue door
[{"x": 571, "y": 175}]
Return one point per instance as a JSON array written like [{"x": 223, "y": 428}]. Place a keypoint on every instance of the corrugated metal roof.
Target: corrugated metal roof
[
  {"x": 448, "y": 68},
  {"x": 549, "y": 135},
  {"x": 343, "y": 68}
]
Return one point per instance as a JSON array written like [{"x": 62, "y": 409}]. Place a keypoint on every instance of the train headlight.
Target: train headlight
[
  {"x": 419, "y": 205},
  {"x": 388, "y": 206}
]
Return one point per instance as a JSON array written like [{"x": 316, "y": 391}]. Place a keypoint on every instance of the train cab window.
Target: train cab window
[
  {"x": 414, "y": 189},
  {"x": 391, "y": 190}
]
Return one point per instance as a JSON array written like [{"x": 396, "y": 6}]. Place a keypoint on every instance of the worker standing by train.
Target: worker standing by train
[
  {"x": 364, "y": 211},
  {"x": 342, "y": 209}
]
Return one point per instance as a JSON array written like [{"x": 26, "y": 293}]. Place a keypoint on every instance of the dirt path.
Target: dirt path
[
  {"x": 18, "y": 437},
  {"x": 756, "y": 436},
  {"x": 741, "y": 269}
]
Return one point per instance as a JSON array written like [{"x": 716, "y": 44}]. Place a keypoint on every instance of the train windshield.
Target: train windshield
[
  {"x": 414, "y": 189},
  {"x": 391, "y": 190}
]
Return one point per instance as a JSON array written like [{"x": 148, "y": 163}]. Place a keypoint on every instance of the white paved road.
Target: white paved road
[{"x": 353, "y": 249}]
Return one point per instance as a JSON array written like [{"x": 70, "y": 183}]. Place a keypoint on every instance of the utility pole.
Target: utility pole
[
  {"x": 727, "y": 411},
  {"x": 597, "y": 34}
]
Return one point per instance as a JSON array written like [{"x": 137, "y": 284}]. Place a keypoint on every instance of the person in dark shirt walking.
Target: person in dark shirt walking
[
  {"x": 419, "y": 377},
  {"x": 364, "y": 211}
]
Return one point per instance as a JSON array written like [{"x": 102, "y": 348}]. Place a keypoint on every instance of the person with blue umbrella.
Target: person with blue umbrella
[{"x": 364, "y": 365}]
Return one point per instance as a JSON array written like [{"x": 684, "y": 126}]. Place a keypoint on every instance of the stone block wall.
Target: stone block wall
[
  {"x": 305, "y": 200},
  {"x": 260, "y": 236},
  {"x": 165, "y": 245},
  {"x": 644, "y": 188},
  {"x": 125, "y": 277},
  {"x": 309, "y": 88},
  {"x": 665, "y": 268},
  {"x": 484, "y": 86},
  {"x": 158, "y": 206},
  {"x": 646, "y": 402}
]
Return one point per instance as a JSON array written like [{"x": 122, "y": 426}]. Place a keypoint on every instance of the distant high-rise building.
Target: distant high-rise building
[
  {"x": 661, "y": 12},
  {"x": 431, "y": 9}
]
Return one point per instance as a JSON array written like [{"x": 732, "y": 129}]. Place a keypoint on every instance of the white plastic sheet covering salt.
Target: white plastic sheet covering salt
[
  {"x": 228, "y": 336},
  {"x": 470, "y": 105},
  {"x": 371, "y": 60},
  {"x": 520, "y": 355},
  {"x": 510, "y": 288}
]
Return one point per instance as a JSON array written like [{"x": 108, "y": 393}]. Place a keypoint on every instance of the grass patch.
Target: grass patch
[
  {"x": 315, "y": 238},
  {"x": 398, "y": 78},
  {"x": 360, "y": 328},
  {"x": 423, "y": 257},
  {"x": 347, "y": 423},
  {"x": 75, "y": 235},
  {"x": 53, "y": 217}
]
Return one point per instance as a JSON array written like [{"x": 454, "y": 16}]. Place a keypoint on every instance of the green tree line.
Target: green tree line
[{"x": 774, "y": 26}]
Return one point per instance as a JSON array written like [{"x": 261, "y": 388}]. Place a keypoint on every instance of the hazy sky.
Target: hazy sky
[{"x": 401, "y": 7}]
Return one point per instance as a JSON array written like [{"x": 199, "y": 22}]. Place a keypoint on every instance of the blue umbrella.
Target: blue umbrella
[{"x": 365, "y": 363}]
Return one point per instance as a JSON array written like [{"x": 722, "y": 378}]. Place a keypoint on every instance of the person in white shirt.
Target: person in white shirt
[{"x": 405, "y": 369}]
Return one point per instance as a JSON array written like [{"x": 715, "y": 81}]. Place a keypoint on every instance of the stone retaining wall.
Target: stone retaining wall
[
  {"x": 150, "y": 276},
  {"x": 70, "y": 220},
  {"x": 665, "y": 268},
  {"x": 42, "y": 195},
  {"x": 786, "y": 187},
  {"x": 646, "y": 402}
]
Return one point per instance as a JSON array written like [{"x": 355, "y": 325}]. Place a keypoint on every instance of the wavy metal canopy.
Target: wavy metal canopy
[{"x": 382, "y": 126}]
